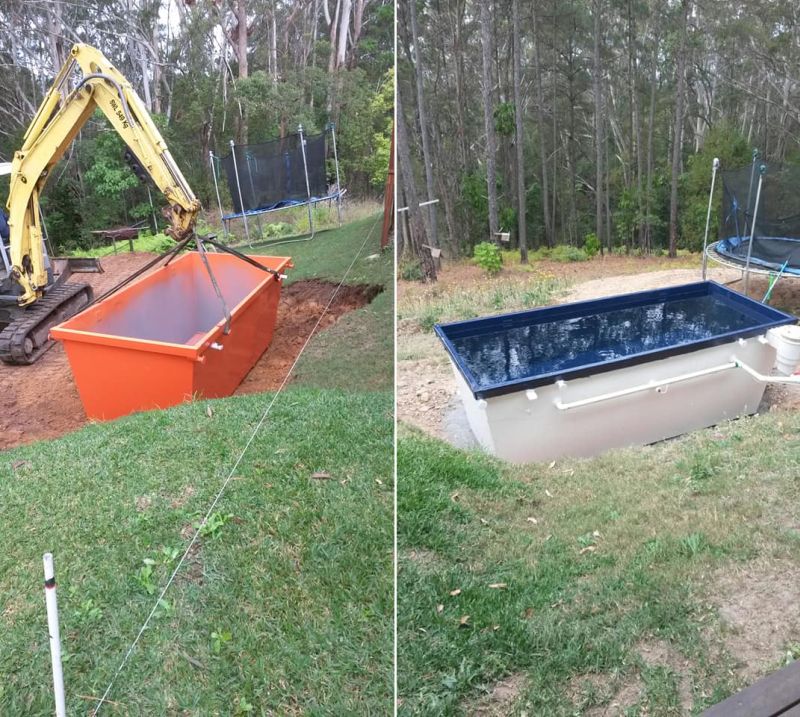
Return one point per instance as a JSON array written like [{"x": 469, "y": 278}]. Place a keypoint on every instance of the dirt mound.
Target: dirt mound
[{"x": 41, "y": 401}]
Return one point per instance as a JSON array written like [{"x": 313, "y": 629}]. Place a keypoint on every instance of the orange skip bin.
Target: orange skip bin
[{"x": 160, "y": 341}]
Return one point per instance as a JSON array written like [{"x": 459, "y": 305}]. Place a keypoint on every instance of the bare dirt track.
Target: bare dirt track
[{"x": 41, "y": 401}]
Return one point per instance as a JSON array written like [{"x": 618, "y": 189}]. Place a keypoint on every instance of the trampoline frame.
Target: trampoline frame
[
  {"x": 710, "y": 250},
  {"x": 309, "y": 201}
]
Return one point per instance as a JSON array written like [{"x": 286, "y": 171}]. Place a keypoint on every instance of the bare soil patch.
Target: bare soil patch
[
  {"x": 617, "y": 694},
  {"x": 659, "y": 653},
  {"x": 41, "y": 401},
  {"x": 500, "y": 699},
  {"x": 757, "y": 604}
]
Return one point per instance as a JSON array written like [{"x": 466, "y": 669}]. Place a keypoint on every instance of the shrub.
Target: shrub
[
  {"x": 410, "y": 271},
  {"x": 591, "y": 244},
  {"x": 488, "y": 257},
  {"x": 565, "y": 253}
]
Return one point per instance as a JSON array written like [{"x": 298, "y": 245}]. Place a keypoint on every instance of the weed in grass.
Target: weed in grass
[
  {"x": 213, "y": 526},
  {"x": 220, "y": 638},
  {"x": 145, "y": 577}
]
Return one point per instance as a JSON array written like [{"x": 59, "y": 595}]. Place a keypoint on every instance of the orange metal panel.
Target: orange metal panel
[{"x": 161, "y": 341}]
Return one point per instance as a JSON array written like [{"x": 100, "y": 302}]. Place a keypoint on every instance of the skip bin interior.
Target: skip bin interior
[
  {"x": 512, "y": 352},
  {"x": 161, "y": 340}
]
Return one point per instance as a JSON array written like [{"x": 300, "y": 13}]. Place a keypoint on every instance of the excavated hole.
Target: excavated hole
[{"x": 41, "y": 401}]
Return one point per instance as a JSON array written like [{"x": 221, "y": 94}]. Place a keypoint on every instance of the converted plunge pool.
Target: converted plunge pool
[{"x": 578, "y": 379}]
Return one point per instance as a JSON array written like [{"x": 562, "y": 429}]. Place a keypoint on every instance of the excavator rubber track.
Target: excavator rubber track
[{"x": 28, "y": 336}]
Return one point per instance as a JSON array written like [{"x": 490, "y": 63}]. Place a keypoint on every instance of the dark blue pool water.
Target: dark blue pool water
[{"x": 534, "y": 347}]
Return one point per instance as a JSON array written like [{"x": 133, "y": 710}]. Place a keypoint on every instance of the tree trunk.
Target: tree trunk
[
  {"x": 417, "y": 238},
  {"x": 488, "y": 118},
  {"x": 427, "y": 158},
  {"x": 344, "y": 25},
  {"x": 677, "y": 133},
  {"x": 241, "y": 56},
  {"x": 522, "y": 236},
  {"x": 598, "y": 126},
  {"x": 537, "y": 70}
]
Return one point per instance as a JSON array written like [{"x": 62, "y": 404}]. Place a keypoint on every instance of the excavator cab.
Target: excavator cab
[{"x": 13, "y": 317}]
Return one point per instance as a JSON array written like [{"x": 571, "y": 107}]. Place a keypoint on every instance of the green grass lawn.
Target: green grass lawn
[
  {"x": 285, "y": 607},
  {"x": 568, "y": 578}
]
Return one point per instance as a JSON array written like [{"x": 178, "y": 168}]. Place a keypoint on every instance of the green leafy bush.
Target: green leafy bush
[
  {"x": 410, "y": 271},
  {"x": 488, "y": 257},
  {"x": 591, "y": 244},
  {"x": 565, "y": 253}
]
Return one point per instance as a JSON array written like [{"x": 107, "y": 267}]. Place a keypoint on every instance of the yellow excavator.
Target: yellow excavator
[{"x": 34, "y": 293}]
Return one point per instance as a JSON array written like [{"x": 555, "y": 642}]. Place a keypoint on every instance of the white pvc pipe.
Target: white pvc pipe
[
  {"x": 766, "y": 379},
  {"x": 421, "y": 204},
  {"x": 714, "y": 168},
  {"x": 55, "y": 636},
  {"x": 643, "y": 387}
]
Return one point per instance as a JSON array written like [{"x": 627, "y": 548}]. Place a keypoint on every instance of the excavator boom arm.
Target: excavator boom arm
[{"x": 60, "y": 117}]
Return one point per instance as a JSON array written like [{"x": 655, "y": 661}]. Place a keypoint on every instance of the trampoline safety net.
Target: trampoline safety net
[
  {"x": 271, "y": 173},
  {"x": 776, "y": 240}
]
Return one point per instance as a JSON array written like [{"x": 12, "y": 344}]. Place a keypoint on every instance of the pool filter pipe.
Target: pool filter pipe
[
  {"x": 714, "y": 168},
  {"x": 53, "y": 631}
]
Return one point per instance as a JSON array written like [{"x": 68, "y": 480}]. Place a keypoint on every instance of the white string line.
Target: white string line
[{"x": 230, "y": 476}]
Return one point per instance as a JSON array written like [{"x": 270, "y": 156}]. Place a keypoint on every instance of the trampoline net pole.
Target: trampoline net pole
[
  {"x": 750, "y": 189},
  {"x": 761, "y": 172},
  {"x": 239, "y": 190},
  {"x": 248, "y": 158},
  {"x": 216, "y": 191},
  {"x": 714, "y": 168},
  {"x": 338, "y": 181},
  {"x": 308, "y": 185}
]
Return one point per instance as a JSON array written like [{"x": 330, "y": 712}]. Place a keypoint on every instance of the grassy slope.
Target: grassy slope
[
  {"x": 357, "y": 352},
  {"x": 667, "y": 517},
  {"x": 286, "y": 608}
]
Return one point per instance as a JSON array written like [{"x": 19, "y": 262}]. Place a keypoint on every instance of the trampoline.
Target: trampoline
[
  {"x": 275, "y": 175},
  {"x": 759, "y": 229}
]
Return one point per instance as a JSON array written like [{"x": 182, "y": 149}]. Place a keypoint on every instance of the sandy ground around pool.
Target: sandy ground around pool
[{"x": 426, "y": 389}]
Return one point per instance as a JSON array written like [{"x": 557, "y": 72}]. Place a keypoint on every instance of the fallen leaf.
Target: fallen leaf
[
  {"x": 455, "y": 593},
  {"x": 440, "y": 608},
  {"x": 528, "y": 614},
  {"x": 588, "y": 549},
  {"x": 464, "y": 621},
  {"x": 321, "y": 475},
  {"x": 498, "y": 586}
]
